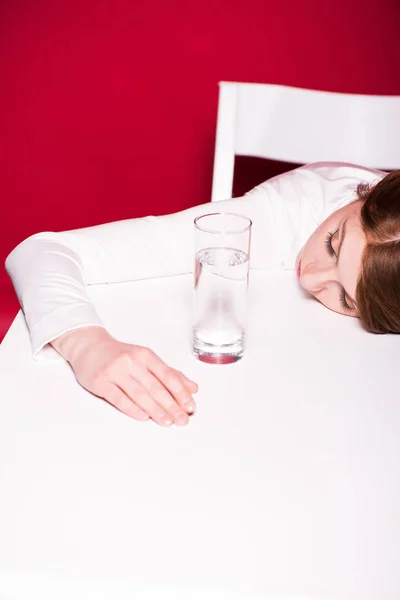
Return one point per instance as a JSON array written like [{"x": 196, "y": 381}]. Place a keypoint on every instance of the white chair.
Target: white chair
[{"x": 301, "y": 126}]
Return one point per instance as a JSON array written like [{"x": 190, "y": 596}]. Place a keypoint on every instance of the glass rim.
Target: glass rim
[{"x": 227, "y": 231}]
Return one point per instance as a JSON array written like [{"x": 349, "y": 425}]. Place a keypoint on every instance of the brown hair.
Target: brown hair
[{"x": 378, "y": 287}]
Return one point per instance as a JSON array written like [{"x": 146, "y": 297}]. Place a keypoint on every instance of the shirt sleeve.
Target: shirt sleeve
[{"x": 51, "y": 271}]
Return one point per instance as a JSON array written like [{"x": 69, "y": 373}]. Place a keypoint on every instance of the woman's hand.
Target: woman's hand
[{"x": 131, "y": 378}]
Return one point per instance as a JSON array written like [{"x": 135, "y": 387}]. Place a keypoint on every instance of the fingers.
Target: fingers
[
  {"x": 191, "y": 386},
  {"x": 133, "y": 400},
  {"x": 138, "y": 383},
  {"x": 115, "y": 396},
  {"x": 161, "y": 409},
  {"x": 157, "y": 392},
  {"x": 174, "y": 382}
]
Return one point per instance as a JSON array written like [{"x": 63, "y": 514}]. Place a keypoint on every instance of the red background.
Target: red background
[{"x": 108, "y": 107}]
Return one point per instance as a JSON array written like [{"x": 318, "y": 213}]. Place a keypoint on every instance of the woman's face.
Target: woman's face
[{"x": 329, "y": 263}]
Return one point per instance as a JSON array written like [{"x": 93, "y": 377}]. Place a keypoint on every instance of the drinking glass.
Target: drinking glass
[{"x": 221, "y": 274}]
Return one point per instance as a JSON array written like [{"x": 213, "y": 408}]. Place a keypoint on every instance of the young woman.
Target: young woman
[{"x": 337, "y": 225}]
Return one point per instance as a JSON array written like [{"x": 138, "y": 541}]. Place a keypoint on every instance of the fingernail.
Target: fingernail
[
  {"x": 181, "y": 418},
  {"x": 190, "y": 407},
  {"x": 166, "y": 420}
]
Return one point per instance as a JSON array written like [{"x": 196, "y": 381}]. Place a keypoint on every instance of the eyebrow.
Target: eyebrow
[{"x": 343, "y": 232}]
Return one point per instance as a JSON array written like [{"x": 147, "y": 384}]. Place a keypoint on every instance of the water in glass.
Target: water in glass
[{"x": 221, "y": 282}]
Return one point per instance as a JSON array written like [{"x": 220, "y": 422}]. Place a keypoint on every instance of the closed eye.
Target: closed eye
[
  {"x": 328, "y": 243},
  {"x": 342, "y": 295},
  {"x": 343, "y": 302}
]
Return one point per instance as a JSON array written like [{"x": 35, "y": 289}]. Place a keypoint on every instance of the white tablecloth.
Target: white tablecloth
[{"x": 285, "y": 485}]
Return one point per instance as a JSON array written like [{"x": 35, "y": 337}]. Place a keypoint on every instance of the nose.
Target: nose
[{"x": 315, "y": 277}]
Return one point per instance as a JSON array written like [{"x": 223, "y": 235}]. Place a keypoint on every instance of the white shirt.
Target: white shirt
[{"x": 50, "y": 271}]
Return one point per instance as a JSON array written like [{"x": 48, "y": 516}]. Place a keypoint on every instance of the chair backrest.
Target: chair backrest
[{"x": 302, "y": 126}]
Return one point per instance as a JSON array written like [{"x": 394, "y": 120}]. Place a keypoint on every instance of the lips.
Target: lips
[{"x": 299, "y": 268}]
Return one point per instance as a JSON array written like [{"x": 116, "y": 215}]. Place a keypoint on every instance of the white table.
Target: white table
[{"x": 285, "y": 485}]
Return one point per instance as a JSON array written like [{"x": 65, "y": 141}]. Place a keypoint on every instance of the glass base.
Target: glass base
[
  {"x": 221, "y": 354},
  {"x": 217, "y": 359}
]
